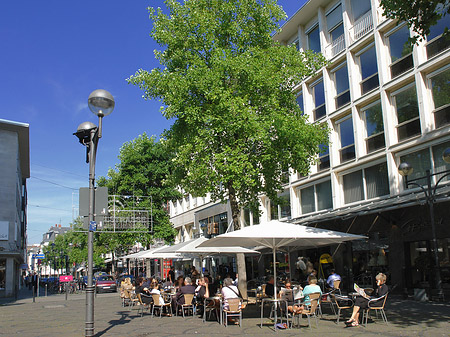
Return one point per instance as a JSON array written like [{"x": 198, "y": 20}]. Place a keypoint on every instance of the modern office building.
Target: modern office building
[
  {"x": 385, "y": 103},
  {"x": 14, "y": 170}
]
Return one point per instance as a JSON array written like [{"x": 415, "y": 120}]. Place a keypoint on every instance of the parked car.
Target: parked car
[{"x": 105, "y": 283}]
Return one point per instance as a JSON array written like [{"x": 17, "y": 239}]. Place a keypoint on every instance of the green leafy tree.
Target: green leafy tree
[
  {"x": 144, "y": 167},
  {"x": 229, "y": 89},
  {"x": 420, "y": 15}
]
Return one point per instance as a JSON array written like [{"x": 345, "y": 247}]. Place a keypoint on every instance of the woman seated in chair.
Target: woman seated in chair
[
  {"x": 362, "y": 302},
  {"x": 143, "y": 291},
  {"x": 311, "y": 288},
  {"x": 155, "y": 290},
  {"x": 229, "y": 291},
  {"x": 287, "y": 293}
]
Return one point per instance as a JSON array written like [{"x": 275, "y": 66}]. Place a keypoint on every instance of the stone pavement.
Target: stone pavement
[{"x": 54, "y": 316}]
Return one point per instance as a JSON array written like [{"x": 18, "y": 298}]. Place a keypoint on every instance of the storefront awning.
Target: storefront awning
[{"x": 372, "y": 207}]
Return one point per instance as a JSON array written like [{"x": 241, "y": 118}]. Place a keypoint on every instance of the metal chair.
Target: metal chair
[
  {"x": 142, "y": 304},
  {"x": 188, "y": 304},
  {"x": 341, "y": 302},
  {"x": 160, "y": 306},
  {"x": 234, "y": 310},
  {"x": 315, "y": 301},
  {"x": 373, "y": 306}
]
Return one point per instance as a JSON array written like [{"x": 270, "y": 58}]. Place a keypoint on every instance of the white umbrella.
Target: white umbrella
[
  {"x": 134, "y": 255},
  {"x": 190, "y": 247},
  {"x": 275, "y": 234},
  {"x": 158, "y": 253}
]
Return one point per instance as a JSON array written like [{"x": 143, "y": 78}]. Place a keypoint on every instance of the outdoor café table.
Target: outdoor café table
[
  {"x": 213, "y": 299},
  {"x": 276, "y": 303}
]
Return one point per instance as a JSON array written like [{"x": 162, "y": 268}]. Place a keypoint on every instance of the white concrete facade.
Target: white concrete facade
[{"x": 361, "y": 146}]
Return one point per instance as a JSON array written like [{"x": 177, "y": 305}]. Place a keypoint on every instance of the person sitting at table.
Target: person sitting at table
[
  {"x": 270, "y": 291},
  {"x": 362, "y": 302},
  {"x": 287, "y": 294},
  {"x": 143, "y": 291},
  {"x": 188, "y": 288},
  {"x": 333, "y": 277},
  {"x": 312, "y": 287},
  {"x": 155, "y": 290},
  {"x": 179, "y": 283},
  {"x": 202, "y": 290},
  {"x": 229, "y": 291}
]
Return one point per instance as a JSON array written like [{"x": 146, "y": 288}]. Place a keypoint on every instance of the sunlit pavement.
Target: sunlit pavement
[{"x": 54, "y": 316}]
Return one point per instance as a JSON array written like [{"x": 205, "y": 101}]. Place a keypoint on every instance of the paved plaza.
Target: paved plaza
[{"x": 54, "y": 316}]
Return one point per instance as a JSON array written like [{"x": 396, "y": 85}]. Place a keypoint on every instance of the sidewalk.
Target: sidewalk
[{"x": 54, "y": 316}]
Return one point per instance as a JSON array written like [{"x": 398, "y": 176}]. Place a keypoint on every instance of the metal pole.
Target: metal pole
[
  {"x": 437, "y": 273},
  {"x": 89, "y": 328}
]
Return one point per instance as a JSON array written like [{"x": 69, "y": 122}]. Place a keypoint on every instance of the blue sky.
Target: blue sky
[{"x": 53, "y": 55}]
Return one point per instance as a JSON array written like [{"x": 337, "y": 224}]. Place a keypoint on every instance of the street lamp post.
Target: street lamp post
[
  {"x": 101, "y": 103},
  {"x": 405, "y": 170}
]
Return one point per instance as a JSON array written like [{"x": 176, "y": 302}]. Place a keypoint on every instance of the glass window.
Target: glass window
[
  {"x": 439, "y": 164},
  {"x": 324, "y": 199},
  {"x": 373, "y": 117},
  {"x": 300, "y": 101},
  {"x": 246, "y": 217},
  {"x": 440, "y": 88},
  {"x": 324, "y": 157},
  {"x": 420, "y": 161},
  {"x": 359, "y": 8},
  {"x": 307, "y": 200},
  {"x": 369, "y": 70},
  {"x": 439, "y": 27},
  {"x": 320, "y": 192},
  {"x": 273, "y": 211},
  {"x": 377, "y": 181},
  {"x": 342, "y": 86},
  {"x": 334, "y": 17},
  {"x": 407, "y": 110},
  {"x": 398, "y": 44},
  {"x": 436, "y": 42},
  {"x": 353, "y": 187},
  {"x": 400, "y": 49},
  {"x": 346, "y": 136},
  {"x": 314, "y": 39},
  {"x": 285, "y": 205},
  {"x": 318, "y": 93}
]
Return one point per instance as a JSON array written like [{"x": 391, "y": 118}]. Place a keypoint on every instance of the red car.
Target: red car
[{"x": 105, "y": 283}]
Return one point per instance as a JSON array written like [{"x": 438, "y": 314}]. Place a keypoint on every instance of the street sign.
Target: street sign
[
  {"x": 92, "y": 226},
  {"x": 66, "y": 278},
  {"x": 40, "y": 256}
]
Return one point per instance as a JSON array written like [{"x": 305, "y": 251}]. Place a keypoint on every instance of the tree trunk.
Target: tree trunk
[{"x": 240, "y": 258}]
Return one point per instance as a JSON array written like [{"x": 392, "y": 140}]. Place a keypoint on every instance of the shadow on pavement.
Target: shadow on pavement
[{"x": 125, "y": 317}]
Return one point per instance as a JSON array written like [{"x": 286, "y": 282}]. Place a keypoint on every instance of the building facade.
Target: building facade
[
  {"x": 385, "y": 102},
  {"x": 14, "y": 170}
]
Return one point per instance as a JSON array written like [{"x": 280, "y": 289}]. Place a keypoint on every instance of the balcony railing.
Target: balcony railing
[
  {"x": 335, "y": 47},
  {"x": 362, "y": 26}
]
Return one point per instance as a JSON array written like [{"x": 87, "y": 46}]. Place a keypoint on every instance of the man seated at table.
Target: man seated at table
[
  {"x": 270, "y": 291},
  {"x": 188, "y": 288},
  {"x": 333, "y": 277},
  {"x": 287, "y": 294}
]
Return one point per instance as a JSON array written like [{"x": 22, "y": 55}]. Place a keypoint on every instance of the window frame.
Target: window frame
[
  {"x": 364, "y": 119},
  {"x": 364, "y": 80},
  {"x": 337, "y": 95},
  {"x": 393, "y": 102},
  {"x": 337, "y": 124},
  {"x": 313, "y": 185},
  {"x": 441, "y": 108},
  {"x": 313, "y": 94},
  {"x": 308, "y": 31}
]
